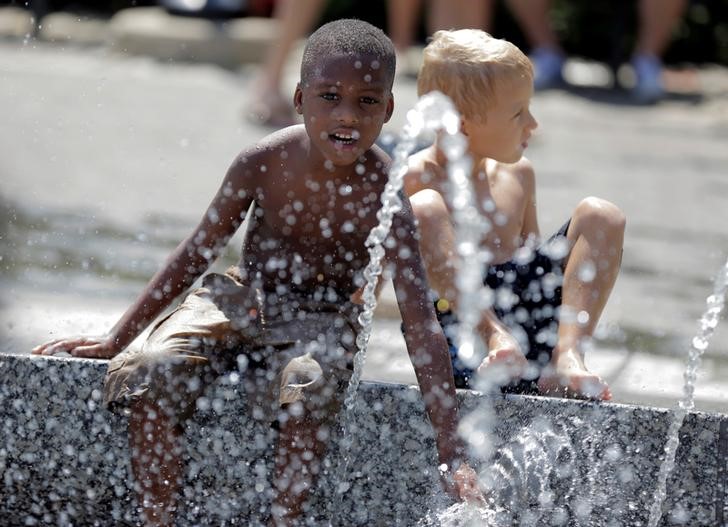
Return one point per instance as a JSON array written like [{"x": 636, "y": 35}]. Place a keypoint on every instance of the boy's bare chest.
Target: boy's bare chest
[
  {"x": 323, "y": 213},
  {"x": 503, "y": 205},
  {"x": 326, "y": 226}
]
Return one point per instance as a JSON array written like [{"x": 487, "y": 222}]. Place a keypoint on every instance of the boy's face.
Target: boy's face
[
  {"x": 504, "y": 134},
  {"x": 344, "y": 104}
]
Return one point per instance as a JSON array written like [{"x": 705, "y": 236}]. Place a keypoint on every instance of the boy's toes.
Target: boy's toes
[
  {"x": 593, "y": 387},
  {"x": 503, "y": 367},
  {"x": 587, "y": 386}
]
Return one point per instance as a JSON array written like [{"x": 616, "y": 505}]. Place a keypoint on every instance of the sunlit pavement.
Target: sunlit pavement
[{"x": 138, "y": 146}]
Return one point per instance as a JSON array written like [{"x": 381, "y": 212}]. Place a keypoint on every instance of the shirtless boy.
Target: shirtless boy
[
  {"x": 547, "y": 296},
  {"x": 282, "y": 317}
]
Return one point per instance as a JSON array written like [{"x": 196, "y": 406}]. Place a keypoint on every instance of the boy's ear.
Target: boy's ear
[
  {"x": 298, "y": 99},
  {"x": 390, "y": 108},
  {"x": 464, "y": 127}
]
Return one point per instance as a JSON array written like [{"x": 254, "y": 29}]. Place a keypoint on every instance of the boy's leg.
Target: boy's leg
[
  {"x": 596, "y": 235},
  {"x": 437, "y": 245},
  {"x": 154, "y": 440},
  {"x": 311, "y": 391},
  {"x": 301, "y": 445},
  {"x": 160, "y": 384}
]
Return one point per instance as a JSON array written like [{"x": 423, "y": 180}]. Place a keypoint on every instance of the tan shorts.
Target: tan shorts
[{"x": 279, "y": 350}]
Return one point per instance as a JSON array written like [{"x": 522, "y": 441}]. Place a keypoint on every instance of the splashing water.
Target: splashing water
[
  {"x": 433, "y": 112},
  {"x": 708, "y": 322},
  {"x": 461, "y": 515},
  {"x": 391, "y": 204}
]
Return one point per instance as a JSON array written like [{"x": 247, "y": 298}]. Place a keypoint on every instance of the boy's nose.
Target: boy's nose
[
  {"x": 533, "y": 123},
  {"x": 346, "y": 113}
]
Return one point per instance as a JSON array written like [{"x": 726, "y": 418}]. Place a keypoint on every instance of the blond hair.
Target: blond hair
[{"x": 467, "y": 65}]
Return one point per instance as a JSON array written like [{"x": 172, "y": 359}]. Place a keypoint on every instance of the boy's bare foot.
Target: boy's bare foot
[
  {"x": 505, "y": 363},
  {"x": 567, "y": 376}
]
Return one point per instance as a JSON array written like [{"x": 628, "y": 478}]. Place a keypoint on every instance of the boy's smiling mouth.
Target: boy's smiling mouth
[{"x": 344, "y": 137}]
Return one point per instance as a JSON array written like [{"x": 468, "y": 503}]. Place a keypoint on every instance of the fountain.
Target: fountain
[
  {"x": 544, "y": 461},
  {"x": 434, "y": 112},
  {"x": 708, "y": 322}
]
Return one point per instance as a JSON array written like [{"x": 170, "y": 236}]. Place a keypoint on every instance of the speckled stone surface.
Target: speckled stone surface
[{"x": 64, "y": 460}]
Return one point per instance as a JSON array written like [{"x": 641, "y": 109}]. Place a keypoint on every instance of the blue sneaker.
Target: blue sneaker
[
  {"x": 648, "y": 72},
  {"x": 547, "y": 65}
]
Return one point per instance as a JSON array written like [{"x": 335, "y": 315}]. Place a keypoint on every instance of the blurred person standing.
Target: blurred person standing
[
  {"x": 295, "y": 18},
  {"x": 657, "y": 19},
  {"x": 298, "y": 17}
]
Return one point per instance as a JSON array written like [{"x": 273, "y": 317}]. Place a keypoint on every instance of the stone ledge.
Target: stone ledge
[{"x": 65, "y": 460}]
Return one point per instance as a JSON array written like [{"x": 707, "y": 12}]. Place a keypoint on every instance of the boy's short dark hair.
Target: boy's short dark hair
[{"x": 348, "y": 36}]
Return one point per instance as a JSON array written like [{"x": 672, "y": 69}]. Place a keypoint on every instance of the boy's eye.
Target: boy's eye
[
  {"x": 330, "y": 96},
  {"x": 518, "y": 114},
  {"x": 369, "y": 100}
]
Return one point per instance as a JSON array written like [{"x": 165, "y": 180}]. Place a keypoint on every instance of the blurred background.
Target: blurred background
[
  {"x": 599, "y": 29},
  {"x": 118, "y": 120}
]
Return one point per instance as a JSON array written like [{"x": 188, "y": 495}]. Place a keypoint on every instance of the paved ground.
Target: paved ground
[{"x": 109, "y": 159}]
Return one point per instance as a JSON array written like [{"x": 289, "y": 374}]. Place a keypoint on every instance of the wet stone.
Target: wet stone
[{"x": 555, "y": 462}]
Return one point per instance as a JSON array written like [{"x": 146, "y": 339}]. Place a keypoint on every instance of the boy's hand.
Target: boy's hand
[
  {"x": 462, "y": 485},
  {"x": 92, "y": 347}
]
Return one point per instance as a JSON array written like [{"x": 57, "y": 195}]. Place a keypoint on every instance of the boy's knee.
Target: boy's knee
[{"x": 601, "y": 214}]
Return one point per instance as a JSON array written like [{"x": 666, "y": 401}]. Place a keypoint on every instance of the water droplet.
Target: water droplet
[
  {"x": 582, "y": 318},
  {"x": 587, "y": 271},
  {"x": 212, "y": 215}
]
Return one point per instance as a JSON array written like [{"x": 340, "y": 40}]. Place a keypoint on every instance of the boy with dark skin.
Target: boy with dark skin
[{"x": 311, "y": 193}]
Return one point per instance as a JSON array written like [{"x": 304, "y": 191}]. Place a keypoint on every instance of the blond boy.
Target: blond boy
[{"x": 548, "y": 296}]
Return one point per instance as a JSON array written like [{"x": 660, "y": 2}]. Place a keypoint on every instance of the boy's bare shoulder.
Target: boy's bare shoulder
[
  {"x": 423, "y": 172},
  {"x": 379, "y": 158},
  {"x": 269, "y": 154},
  {"x": 521, "y": 171},
  {"x": 290, "y": 140}
]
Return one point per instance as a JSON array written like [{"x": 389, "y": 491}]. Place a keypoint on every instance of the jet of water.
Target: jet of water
[
  {"x": 708, "y": 322},
  {"x": 434, "y": 112}
]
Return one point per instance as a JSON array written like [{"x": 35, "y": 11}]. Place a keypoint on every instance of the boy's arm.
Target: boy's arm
[
  {"x": 525, "y": 172},
  {"x": 428, "y": 350},
  {"x": 192, "y": 257}
]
